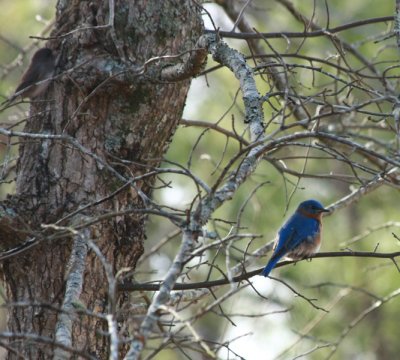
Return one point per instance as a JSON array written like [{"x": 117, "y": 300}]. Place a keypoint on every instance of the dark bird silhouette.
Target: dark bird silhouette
[{"x": 33, "y": 82}]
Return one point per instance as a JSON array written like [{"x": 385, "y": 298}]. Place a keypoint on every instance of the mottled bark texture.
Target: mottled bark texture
[{"x": 116, "y": 119}]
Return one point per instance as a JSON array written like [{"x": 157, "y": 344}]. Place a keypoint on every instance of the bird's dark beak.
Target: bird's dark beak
[{"x": 324, "y": 211}]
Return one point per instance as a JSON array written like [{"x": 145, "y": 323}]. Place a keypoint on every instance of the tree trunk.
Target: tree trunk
[{"x": 124, "y": 118}]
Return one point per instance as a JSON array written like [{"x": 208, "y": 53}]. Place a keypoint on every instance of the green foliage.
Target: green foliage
[{"x": 344, "y": 286}]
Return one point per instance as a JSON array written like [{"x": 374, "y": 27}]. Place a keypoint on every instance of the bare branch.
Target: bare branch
[{"x": 76, "y": 268}]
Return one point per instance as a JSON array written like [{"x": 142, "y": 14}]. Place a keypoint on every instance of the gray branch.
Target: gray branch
[
  {"x": 76, "y": 269},
  {"x": 254, "y": 116},
  {"x": 111, "y": 317},
  {"x": 396, "y": 28}
]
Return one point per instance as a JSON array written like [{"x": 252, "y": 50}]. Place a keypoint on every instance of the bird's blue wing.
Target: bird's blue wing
[
  {"x": 297, "y": 229},
  {"x": 285, "y": 237}
]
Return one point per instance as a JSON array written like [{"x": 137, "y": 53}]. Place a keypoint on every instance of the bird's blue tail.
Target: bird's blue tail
[{"x": 271, "y": 263}]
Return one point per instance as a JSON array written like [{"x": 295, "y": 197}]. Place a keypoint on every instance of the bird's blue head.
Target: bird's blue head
[{"x": 311, "y": 208}]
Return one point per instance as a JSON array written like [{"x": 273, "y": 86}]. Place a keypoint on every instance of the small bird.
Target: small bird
[
  {"x": 300, "y": 236},
  {"x": 32, "y": 82}
]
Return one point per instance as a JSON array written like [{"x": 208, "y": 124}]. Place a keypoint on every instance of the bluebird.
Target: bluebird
[{"x": 300, "y": 236}]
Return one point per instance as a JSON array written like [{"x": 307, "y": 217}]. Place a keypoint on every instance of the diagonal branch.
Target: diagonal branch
[
  {"x": 254, "y": 116},
  {"x": 76, "y": 268}
]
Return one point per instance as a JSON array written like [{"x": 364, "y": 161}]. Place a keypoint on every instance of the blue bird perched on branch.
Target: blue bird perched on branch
[{"x": 300, "y": 236}]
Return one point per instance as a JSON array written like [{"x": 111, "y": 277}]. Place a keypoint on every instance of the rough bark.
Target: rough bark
[{"x": 127, "y": 124}]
